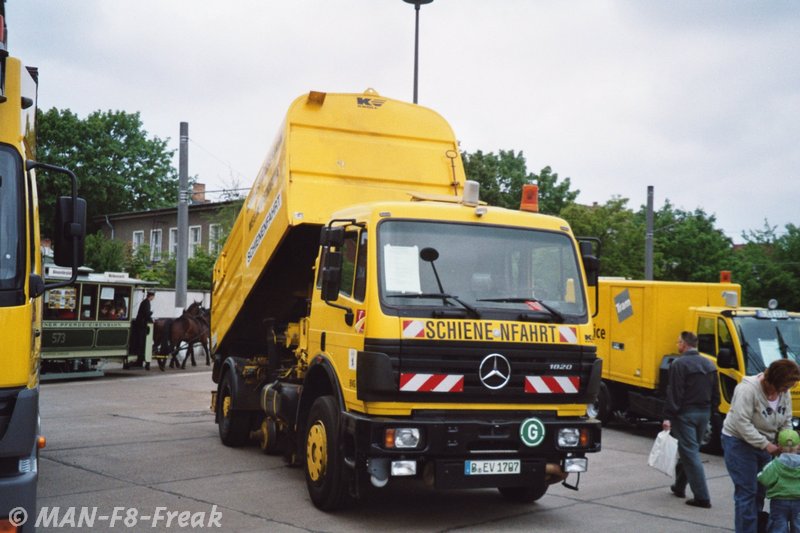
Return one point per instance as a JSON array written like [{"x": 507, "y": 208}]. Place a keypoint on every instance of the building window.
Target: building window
[
  {"x": 194, "y": 240},
  {"x": 173, "y": 242},
  {"x": 214, "y": 238},
  {"x": 155, "y": 245},
  {"x": 138, "y": 239}
]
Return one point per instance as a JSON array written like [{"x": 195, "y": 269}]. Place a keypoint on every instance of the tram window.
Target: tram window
[
  {"x": 88, "y": 302},
  {"x": 107, "y": 311},
  {"x": 114, "y": 302},
  {"x": 59, "y": 304}
]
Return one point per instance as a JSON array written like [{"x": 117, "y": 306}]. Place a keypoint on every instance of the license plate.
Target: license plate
[{"x": 496, "y": 467}]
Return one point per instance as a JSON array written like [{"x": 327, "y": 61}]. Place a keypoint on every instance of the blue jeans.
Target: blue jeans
[
  {"x": 784, "y": 516},
  {"x": 689, "y": 429},
  {"x": 744, "y": 462}
]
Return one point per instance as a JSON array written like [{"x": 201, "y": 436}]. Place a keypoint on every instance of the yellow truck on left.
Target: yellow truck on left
[{"x": 22, "y": 284}]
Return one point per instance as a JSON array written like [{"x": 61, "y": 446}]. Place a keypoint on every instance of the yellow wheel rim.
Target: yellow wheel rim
[
  {"x": 316, "y": 451},
  {"x": 226, "y": 406}
]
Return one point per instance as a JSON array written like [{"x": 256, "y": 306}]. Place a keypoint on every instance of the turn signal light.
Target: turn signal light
[
  {"x": 41, "y": 442},
  {"x": 585, "y": 438}
]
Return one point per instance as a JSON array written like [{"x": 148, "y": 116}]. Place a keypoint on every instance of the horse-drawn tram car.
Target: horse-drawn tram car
[{"x": 87, "y": 324}]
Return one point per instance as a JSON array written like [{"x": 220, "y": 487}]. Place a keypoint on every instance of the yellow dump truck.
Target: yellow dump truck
[
  {"x": 371, "y": 320},
  {"x": 636, "y": 331},
  {"x": 22, "y": 284}
]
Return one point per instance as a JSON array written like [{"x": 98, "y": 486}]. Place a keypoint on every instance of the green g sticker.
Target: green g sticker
[{"x": 531, "y": 432}]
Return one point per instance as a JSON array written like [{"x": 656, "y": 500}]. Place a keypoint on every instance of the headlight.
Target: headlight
[
  {"x": 28, "y": 465},
  {"x": 576, "y": 464},
  {"x": 404, "y": 468},
  {"x": 569, "y": 437},
  {"x": 404, "y": 438}
]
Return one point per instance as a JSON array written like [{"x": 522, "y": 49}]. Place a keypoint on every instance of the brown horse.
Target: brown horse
[{"x": 170, "y": 334}]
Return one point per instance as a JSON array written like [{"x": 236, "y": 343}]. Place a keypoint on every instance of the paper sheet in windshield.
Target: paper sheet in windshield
[{"x": 401, "y": 267}]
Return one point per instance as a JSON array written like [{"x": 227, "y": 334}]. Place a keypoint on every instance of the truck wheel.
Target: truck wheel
[
  {"x": 601, "y": 408},
  {"x": 323, "y": 465},
  {"x": 269, "y": 437},
  {"x": 711, "y": 442},
  {"x": 523, "y": 494},
  {"x": 234, "y": 427}
]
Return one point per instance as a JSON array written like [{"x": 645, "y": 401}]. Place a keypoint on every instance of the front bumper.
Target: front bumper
[{"x": 447, "y": 442}]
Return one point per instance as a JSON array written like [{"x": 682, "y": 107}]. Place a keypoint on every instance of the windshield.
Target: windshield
[
  {"x": 479, "y": 271},
  {"x": 10, "y": 219},
  {"x": 767, "y": 340}
]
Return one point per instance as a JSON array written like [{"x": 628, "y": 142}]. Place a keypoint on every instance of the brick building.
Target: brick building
[{"x": 158, "y": 228}]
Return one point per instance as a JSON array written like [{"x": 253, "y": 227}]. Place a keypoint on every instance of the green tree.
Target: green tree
[
  {"x": 198, "y": 271},
  {"x": 119, "y": 167},
  {"x": 687, "y": 245},
  {"x": 767, "y": 266},
  {"x": 554, "y": 196},
  {"x": 104, "y": 254},
  {"x": 502, "y": 176},
  {"x": 620, "y": 232}
]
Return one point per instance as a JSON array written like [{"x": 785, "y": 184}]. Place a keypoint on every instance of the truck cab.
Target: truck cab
[{"x": 743, "y": 341}]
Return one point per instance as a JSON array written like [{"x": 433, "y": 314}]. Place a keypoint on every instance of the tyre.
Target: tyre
[
  {"x": 324, "y": 468},
  {"x": 601, "y": 408},
  {"x": 269, "y": 437},
  {"x": 523, "y": 494},
  {"x": 234, "y": 427}
]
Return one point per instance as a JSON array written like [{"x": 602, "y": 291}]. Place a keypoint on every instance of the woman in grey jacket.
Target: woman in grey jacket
[{"x": 761, "y": 406}]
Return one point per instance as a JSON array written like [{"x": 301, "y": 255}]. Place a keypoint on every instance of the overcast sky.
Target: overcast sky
[{"x": 700, "y": 99}]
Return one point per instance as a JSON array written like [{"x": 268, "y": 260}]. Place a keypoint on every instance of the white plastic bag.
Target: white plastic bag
[{"x": 664, "y": 454}]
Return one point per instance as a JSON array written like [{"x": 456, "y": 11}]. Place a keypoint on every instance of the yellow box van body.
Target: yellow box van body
[{"x": 636, "y": 331}]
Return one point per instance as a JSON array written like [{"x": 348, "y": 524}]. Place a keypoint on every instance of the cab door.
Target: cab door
[
  {"x": 344, "y": 340},
  {"x": 714, "y": 335}
]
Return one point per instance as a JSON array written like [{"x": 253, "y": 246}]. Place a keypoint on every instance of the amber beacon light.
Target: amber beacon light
[{"x": 530, "y": 198}]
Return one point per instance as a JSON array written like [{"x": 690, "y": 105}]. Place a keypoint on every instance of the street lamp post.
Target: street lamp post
[{"x": 416, "y": 3}]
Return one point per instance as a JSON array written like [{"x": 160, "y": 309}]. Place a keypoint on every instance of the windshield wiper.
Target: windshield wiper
[
  {"x": 553, "y": 311},
  {"x": 758, "y": 362},
  {"x": 475, "y": 313},
  {"x": 783, "y": 346}
]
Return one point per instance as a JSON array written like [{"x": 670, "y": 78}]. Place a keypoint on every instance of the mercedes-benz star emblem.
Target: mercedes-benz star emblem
[{"x": 495, "y": 371}]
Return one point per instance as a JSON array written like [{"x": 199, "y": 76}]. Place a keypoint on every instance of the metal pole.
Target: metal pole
[
  {"x": 182, "y": 257},
  {"x": 648, "y": 237},
  {"x": 416, "y": 50},
  {"x": 416, "y": 3}
]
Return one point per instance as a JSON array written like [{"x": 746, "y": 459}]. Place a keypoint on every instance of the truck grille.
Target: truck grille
[{"x": 449, "y": 372}]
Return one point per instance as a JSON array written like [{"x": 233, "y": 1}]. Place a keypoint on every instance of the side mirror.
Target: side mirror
[
  {"x": 592, "y": 266},
  {"x": 69, "y": 232},
  {"x": 591, "y": 263},
  {"x": 332, "y": 236},
  {"x": 726, "y": 358},
  {"x": 331, "y": 275}
]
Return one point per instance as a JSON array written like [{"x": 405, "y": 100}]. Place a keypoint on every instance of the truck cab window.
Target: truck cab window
[
  {"x": 497, "y": 272},
  {"x": 725, "y": 339},
  {"x": 360, "y": 288},
  {"x": 10, "y": 220},
  {"x": 349, "y": 249},
  {"x": 706, "y": 337}
]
